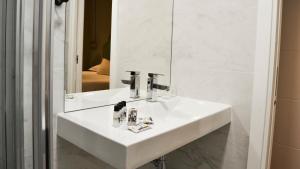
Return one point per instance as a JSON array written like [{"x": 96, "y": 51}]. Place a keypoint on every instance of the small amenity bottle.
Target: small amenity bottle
[
  {"x": 117, "y": 115},
  {"x": 132, "y": 117},
  {"x": 123, "y": 112}
]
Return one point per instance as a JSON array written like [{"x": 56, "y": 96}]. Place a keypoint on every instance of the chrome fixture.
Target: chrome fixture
[
  {"x": 60, "y": 2},
  {"x": 134, "y": 83},
  {"x": 152, "y": 87},
  {"x": 160, "y": 163}
]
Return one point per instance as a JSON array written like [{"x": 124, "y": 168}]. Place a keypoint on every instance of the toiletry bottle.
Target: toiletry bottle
[
  {"x": 132, "y": 117},
  {"x": 124, "y": 112},
  {"x": 117, "y": 115}
]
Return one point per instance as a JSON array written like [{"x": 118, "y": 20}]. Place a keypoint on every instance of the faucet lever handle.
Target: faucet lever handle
[
  {"x": 161, "y": 87},
  {"x": 133, "y": 72},
  {"x": 126, "y": 82},
  {"x": 155, "y": 74}
]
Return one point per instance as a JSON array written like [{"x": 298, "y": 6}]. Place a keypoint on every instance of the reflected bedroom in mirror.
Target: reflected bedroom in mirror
[
  {"x": 89, "y": 71},
  {"x": 116, "y": 50}
]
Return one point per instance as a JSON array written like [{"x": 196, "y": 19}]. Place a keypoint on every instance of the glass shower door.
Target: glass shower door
[
  {"x": 2, "y": 87},
  {"x": 14, "y": 135},
  {"x": 24, "y": 131}
]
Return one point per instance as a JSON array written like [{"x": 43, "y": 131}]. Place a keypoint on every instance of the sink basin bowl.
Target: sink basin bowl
[{"x": 177, "y": 122}]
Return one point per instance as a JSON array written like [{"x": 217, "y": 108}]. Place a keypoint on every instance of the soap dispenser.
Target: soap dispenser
[
  {"x": 117, "y": 115},
  {"x": 123, "y": 112}
]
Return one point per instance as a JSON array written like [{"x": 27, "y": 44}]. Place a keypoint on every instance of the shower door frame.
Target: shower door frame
[
  {"x": 42, "y": 86},
  {"x": 3, "y": 157},
  {"x": 11, "y": 85}
]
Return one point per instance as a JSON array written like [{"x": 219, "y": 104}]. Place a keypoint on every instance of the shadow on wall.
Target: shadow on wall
[
  {"x": 69, "y": 156},
  {"x": 201, "y": 153}
]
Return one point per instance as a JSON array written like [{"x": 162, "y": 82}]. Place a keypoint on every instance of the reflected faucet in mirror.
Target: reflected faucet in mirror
[
  {"x": 152, "y": 87},
  {"x": 59, "y": 2},
  {"x": 134, "y": 83}
]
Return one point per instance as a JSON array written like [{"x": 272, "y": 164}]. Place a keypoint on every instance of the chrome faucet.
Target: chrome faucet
[
  {"x": 134, "y": 83},
  {"x": 152, "y": 87}
]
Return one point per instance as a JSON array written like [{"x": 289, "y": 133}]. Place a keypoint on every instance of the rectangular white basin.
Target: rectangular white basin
[{"x": 177, "y": 121}]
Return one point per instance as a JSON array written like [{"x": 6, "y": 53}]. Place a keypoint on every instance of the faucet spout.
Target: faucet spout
[
  {"x": 161, "y": 87},
  {"x": 153, "y": 86},
  {"x": 134, "y": 83}
]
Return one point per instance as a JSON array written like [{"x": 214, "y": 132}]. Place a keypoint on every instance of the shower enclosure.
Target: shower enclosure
[
  {"x": 11, "y": 120},
  {"x": 24, "y": 85}
]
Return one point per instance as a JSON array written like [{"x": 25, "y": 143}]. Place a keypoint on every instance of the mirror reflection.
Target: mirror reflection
[
  {"x": 116, "y": 50},
  {"x": 88, "y": 33}
]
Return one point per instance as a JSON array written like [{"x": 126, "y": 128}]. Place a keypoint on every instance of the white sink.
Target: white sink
[{"x": 178, "y": 121}]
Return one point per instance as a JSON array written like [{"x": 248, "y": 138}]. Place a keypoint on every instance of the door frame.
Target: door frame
[
  {"x": 265, "y": 83},
  {"x": 74, "y": 45}
]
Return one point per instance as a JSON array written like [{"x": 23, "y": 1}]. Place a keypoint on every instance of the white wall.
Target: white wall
[
  {"x": 141, "y": 39},
  {"x": 213, "y": 59}
]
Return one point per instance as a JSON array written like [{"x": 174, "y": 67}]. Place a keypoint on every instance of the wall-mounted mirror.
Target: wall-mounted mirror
[{"x": 107, "y": 38}]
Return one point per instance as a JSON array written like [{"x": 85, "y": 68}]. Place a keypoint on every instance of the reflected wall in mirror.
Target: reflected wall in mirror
[{"x": 106, "y": 38}]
